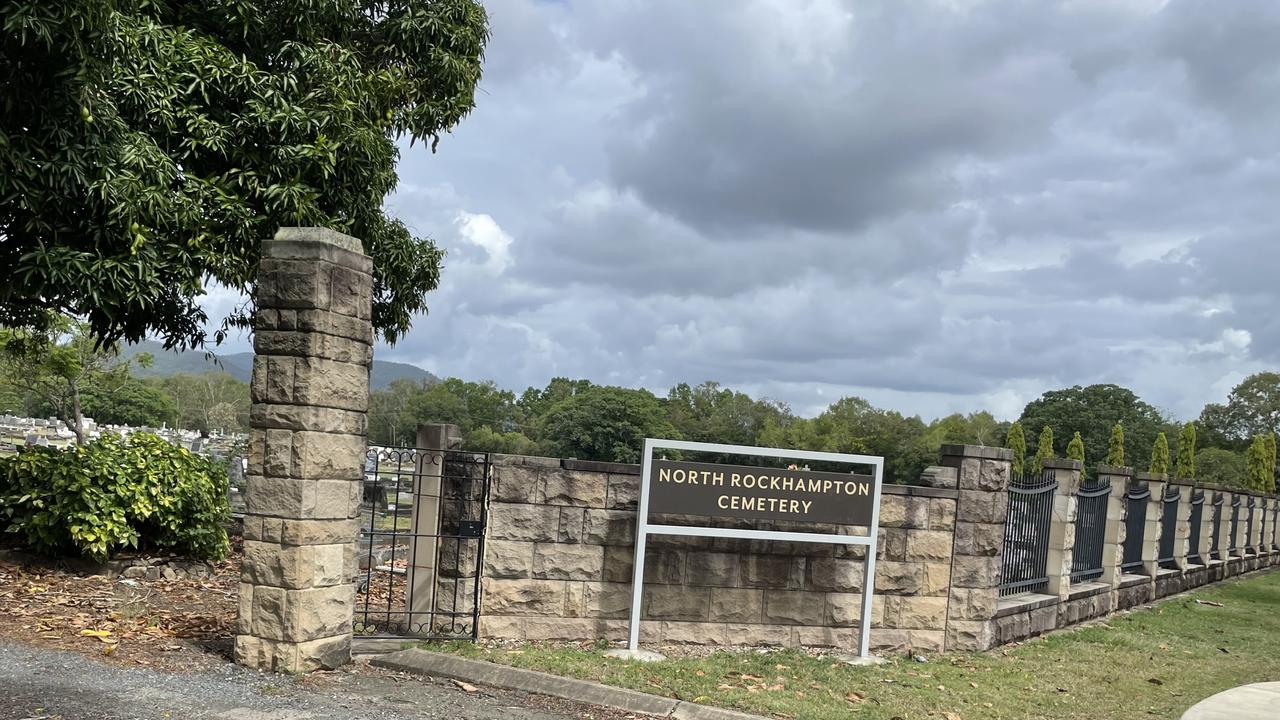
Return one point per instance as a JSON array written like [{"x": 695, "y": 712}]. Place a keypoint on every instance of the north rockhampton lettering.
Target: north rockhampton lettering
[{"x": 713, "y": 490}]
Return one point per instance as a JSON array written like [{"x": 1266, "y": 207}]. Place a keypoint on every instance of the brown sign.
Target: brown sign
[{"x": 760, "y": 493}]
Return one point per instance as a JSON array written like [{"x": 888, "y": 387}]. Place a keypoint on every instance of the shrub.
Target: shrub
[
  {"x": 1075, "y": 448},
  {"x": 1160, "y": 456},
  {"x": 1044, "y": 451},
  {"x": 96, "y": 499},
  {"x": 1115, "y": 449},
  {"x": 1017, "y": 442},
  {"x": 1185, "y": 466}
]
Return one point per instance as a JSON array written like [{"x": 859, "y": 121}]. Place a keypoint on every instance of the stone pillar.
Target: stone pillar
[
  {"x": 1259, "y": 507},
  {"x": 1151, "y": 533},
  {"x": 1240, "y": 539},
  {"x": 1182, "y": 528},
  {"x": 1062, "y": 527},
  {"x": 432, "y": 441},
  {"x": 1113, "y": 540},
  {"x": 981, "y": 508},
  {"x": 312, "y": 351},
  {"x": 1274, "y": 530}
]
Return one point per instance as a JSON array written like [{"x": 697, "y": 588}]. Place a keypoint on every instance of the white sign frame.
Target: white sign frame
[{"x": 644, "y": 528}]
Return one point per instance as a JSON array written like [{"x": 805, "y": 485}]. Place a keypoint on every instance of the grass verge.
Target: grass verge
[{"x": 1155, "y": 662}]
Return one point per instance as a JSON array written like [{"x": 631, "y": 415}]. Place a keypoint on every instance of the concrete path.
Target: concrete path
[
  {"x": 1247, "y": 702},
  {"x": 48, "y": 684}
]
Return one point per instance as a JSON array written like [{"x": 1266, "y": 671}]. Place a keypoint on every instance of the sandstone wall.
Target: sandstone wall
[{"x": 560, "y": 544}]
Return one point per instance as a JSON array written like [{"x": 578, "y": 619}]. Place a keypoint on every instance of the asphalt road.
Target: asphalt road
[{"x": 38, "y": 684}]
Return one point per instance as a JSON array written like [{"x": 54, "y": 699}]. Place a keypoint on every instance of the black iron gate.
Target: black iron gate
[{"x": 423, "y": 516}]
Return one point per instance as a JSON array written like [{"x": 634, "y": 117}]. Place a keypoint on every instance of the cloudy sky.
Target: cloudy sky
[{"x": 939, "y": 206}]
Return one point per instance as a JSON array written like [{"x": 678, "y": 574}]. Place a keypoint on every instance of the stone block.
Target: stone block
[
  {"x": 574, "y": 629},
  {"x": 891, "y": 544},
  {"x": 524, "y": 597},
  {"x": 606, "y": 600},
  {"x": 715, "y": 569},
  {"x": 610, "y": 527},
  {"x": 664, "y": 567},
  {"x": 896, "y": 578},
  {"x": 530, "y": 523},
  {"x": 508, "y": 559},
  {"x": 331, "y": 323},
  {"x": 567, "y": 561},
  {"x": 845, "y": 609},
  {"x": 623, "y": 492},
  {"x": 942, "y": 514},
  {"x": 903, "y": 511},
  {"x": 327, "y": 383},
  {"x": 576, "y": 488},
  {"x": 982, "y": 507},
  {"x": 330, "y": 456},
  {"x": 501, "y": 627},
  {"x": 969, "y": 636},
  {"x": 695, "y": 633},
  {"x": 929, "y": 546},
  {"x": 308, "y": 344},
  {"x": 292, "y": 284},
  {"x": 676, "y": 602},
  {"x": 975, "y": 572},
  {"x": 350, "y": 292},
  {"x": 292, "y": 566},
  {"x": 935, "y": 578},
  {"x": 618, "y": 563},
  {"x": 307, "y": 417},
  {"x": 834, "y": 574},
  {"x": 742, "y": 605},
  {"x": 773, "y": 571},
  {"x": 825, "y": 637},
  {"x": 572, "y": 523},
  {"x": 973, "y": 604},
  {"x": 280, "y": 497},
  {"x": 794, "y": 607},
  {"x": 317, "y": 613},
  {"x": 517, "y": 484},
  {"x": 925, "y": 613},
  {"x": 979, "y": 539},
  {"x": 890, "y": 640},
  {"x": 756, "y": 634},
  {"x": 244, "y": 615}
]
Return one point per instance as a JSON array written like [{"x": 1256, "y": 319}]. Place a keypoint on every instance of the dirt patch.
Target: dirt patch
[{"x": 181, "y": 624}]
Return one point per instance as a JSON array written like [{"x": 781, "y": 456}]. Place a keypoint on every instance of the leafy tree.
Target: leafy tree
[
  {"x": 1185, "y": 465},
  {"x": 1044, "y": 450},
  {"x": 1258, "y": 467},
  {"x": 605, "y": 423},
  {"x": 535, "y": 403},
  {"x": 1252, "y": 409},
  {"x": 1017, "y": 442},
  {"x": 1160, "y": 456},
  {"x": 1075, "y": 449},
  {"x": 485, "y": 439},
  {"x": 389, "y": 421},
  {"x": 208, "y": 401},
  {"x": 711, "y": 413},
  {"x": 53, "y": 366},
  {"x": 1093, "y": 411},
  {"x": 149, "y": 146},
  {"x": 469, "y": 405},
  {"x": 126, "y": 400},
  {"x": 1270, "y": 456},
  {"x": 1224, "y": 468},
  {"x": 1115, "y": 447},
  {"x": 979, "y": 428}
]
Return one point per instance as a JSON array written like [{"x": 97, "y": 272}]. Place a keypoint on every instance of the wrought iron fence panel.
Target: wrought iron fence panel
[
  {"x": 1135, "y": 525},
  {"x": 1091, "y": 530},
  {"x": 1168, "y": 527},
  {"x": 1026, "y": 534},
  {"x": 1197, "y": 520},
  {"x": 422, "y": 582},
  {"x": 1232, "y": 540}
]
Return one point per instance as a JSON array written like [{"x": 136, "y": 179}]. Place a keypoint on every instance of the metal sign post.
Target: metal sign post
[{"x": 754, "y": 500}]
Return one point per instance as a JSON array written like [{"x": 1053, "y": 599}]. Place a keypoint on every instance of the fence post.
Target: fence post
[
  {"x": 1275, "y": 524},
  {"x": 1151, "y": 531},
  {"x": 1062, "y": 526},
  {"x": 1113, "y": 538},
  {"x": 1239, "y": 539},
  {"x": 981, "y": 509},
  {"x": 432, "y": 441},
  {"x": 313, "y": 344},
  {"x": 1182, "y": 526}
]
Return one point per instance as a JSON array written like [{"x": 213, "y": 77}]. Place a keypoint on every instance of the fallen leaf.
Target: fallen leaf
[
  {"x": 466, "y": 686},
  {"x": 855, "y": 697}
]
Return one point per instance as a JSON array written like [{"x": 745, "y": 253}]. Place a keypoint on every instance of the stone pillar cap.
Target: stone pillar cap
[
  {"x": 1063, "y": 464},
  {"x": 1124, "y": 470},
  {"x": 978, "y": 451},
  {"x": 318, "y": 235},
  {"x": 1156, "y": 477}
]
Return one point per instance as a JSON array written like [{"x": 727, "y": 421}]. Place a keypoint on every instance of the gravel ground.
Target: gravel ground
[{"x": 42, "y": 684}]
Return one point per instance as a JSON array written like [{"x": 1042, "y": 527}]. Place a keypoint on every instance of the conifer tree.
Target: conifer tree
[
  {"x": 1160, "y": 456},
  {"x": 1270, "y": 457},
  {"x": 1257, "y": 466},
  {"x": 1044, "y": 450},
  {"x": 1185, "y": 467},
  {"x": 1075, "y": 448},
  {"x": 1017, "y": 442},
  {"x": 1115, "y": 451}
]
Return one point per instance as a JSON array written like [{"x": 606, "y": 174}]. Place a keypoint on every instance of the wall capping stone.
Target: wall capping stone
[
  {"x": 920, "y": 491},
  {"x": 1063, "y": 464},
  {"x": 600, "y": 466},
  {"x": 1184, "y": 482},
  {"x": 1151, "y": 477},
  {"x": 1121, "y": 470},
  {"x": 978, "y": 451}
]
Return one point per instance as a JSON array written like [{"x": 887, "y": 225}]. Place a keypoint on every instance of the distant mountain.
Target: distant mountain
[{"x": 240, "y": 365}]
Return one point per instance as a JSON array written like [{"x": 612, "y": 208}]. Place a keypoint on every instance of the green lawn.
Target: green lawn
[{"x": 1152, "y": 663}]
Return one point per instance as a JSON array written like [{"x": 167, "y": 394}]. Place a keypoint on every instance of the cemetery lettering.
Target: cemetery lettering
[{"x": 706, "y": 489}]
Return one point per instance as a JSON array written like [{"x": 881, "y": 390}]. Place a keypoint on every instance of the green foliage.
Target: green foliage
[
  {"x": 1260, "y": 469},
  {"x": 486, "y": 439},
  {"x": 130, "y": 402},
  {"x": 149, "y": 146},
  {"x": 711, "y": 413},
  {"x": 1221, "y": 467},
  {"x": 1075, "y": 448},
  {"x": 1252, "y": 409},
  {"x": 112, "y": 494},
  {"x": 1115, "y": 446},
  {"x": 1044, "y": 450},
  {"x": 1093, "y": 411},
  {"x": 1017, "y": 442},
  {"x": 605, "y": 423},
  {"x": 1160, "y": 456},
  {"x": 207, "y": 401},
  {"x": 1185, "y": 464}
]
